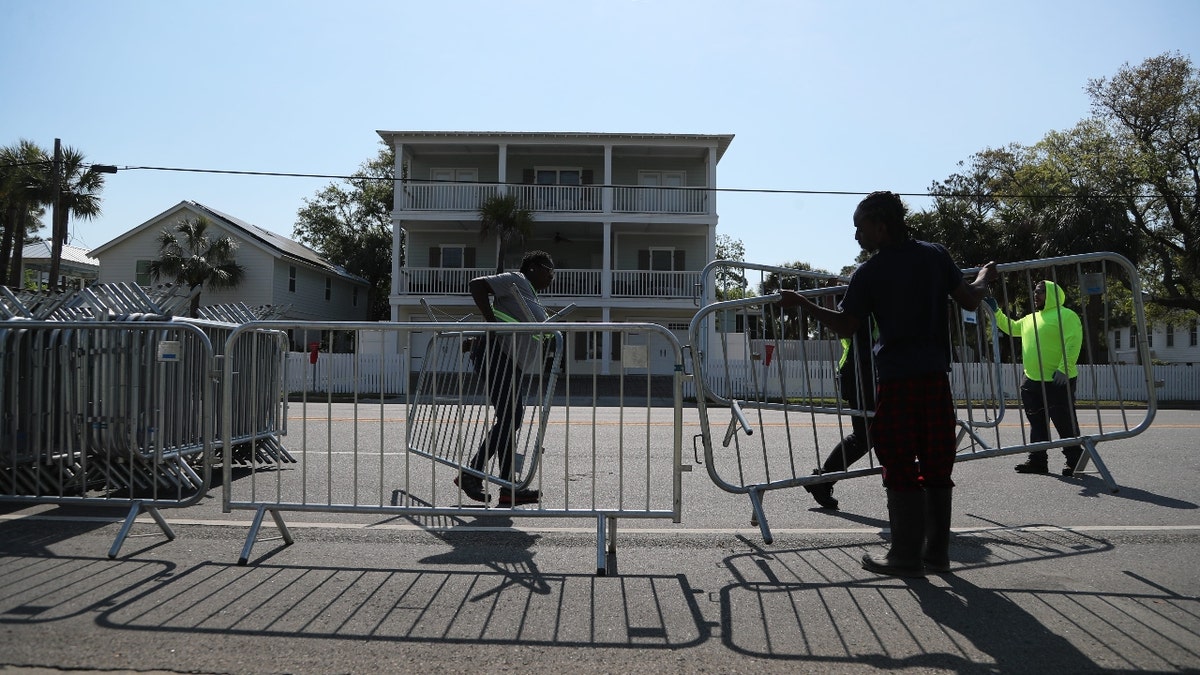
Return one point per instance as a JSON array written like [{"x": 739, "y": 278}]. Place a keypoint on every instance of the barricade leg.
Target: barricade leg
[
  {"x": 134, "y": 510},
  {"x": 254, "y": 527},
  {"x": 1091, "y": 453},
  {"x": 758, "y": 516}
]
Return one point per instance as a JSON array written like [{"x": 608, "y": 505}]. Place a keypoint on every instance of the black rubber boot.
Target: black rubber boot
[
  {"x": 906, "y": 513},
  {"x": 1037, "y": 463},
  {"x": 937, "y": 529}
]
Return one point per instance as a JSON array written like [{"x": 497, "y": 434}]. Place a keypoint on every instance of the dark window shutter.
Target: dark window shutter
[
  {"x": 644, "y": 259},
  {"x": 469, "y": 256},
  {"x": 616, "y": 345},
  {"x": 435, "y": 256},
  {"x": 527, "y": 176},
  {"x": 588, "y": 177},
  {"x": 580, "y": 340},
  {"x": 679, "y": 260}
]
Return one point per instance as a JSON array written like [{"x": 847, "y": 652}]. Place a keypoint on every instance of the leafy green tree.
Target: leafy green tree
[
  {"x": 23, "y": 171},
  {"x": 731, "y": 284},
  {"x": 190, "y": 257},
  {"x": 791, "y": 323},
  {"x": 1152, "y": 114},
  {"x": 503, "y": 217},
  {"x": 350, "y": 224}
]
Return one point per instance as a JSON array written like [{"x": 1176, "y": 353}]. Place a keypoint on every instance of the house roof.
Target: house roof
[
  {"x": 722, "y": 140},
  {"x": 278, "y": 244},
  {"x": 40, "y": 250}
]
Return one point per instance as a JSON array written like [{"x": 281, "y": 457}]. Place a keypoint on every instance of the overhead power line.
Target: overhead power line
[{"x": 110, "y": 168}]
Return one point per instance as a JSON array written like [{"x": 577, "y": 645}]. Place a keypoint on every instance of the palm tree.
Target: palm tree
[
  {"x": 190, "y": 257},
  {"x": 502, "y": 216},
  {"x": 24, "y": 170},
  {"x": 77, "y": 194}
]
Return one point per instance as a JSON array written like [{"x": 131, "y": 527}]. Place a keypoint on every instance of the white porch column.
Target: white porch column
[
  {"x": 606, "y": 343},
  {"x": 502, "y": 170},
  {"x": 606, "y": 197},
  {"x": 712, "y": 181}
]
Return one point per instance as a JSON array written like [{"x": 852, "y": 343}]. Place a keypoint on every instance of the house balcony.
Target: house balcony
[
  {"x": 433, "y": 196},
  {"x": 424, "y": 281}
]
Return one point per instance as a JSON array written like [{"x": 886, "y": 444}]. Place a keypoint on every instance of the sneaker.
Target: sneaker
[
  {"x": 526, "y": 496},
  {"x": 1072, "y": 462},
  {"x": 472, "y": 487},
  {"x": 1031, "y": 466},
  {"x": 823, "y": 493}
]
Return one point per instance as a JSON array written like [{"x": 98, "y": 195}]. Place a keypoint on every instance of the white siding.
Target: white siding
[{"x": 265, "y": 281}]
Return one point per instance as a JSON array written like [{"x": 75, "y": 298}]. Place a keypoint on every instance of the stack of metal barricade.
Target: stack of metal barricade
[{"x": 107, "y": 397}]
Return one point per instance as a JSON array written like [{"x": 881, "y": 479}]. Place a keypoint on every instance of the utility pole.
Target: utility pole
[{"x": 57, "y": 236}]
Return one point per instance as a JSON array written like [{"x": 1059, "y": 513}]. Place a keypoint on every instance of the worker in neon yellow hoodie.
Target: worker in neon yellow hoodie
[{"x": 1051, "y": 338}]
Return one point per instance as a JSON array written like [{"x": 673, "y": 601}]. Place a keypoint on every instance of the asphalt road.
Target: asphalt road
[{"x": 1051, "y": 574}]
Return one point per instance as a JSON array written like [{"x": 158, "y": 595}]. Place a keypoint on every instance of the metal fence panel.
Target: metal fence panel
[
  {"x": 749, "y": 358},
  {"x": 106, "y": 413},
  {"x": 607, "y": 451}
]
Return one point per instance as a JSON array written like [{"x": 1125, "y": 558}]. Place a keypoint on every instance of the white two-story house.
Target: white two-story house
[
  {"x": 630, "y": 220},
  {"x": 279, "y": 272}
]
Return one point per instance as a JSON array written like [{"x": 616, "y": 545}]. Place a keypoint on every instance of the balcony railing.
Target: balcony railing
[
  {"x": 573, "y": 198},
  {"x": 642, "y": 284},
  {"x": 560, "y": 198},
  {"x": 660, "y": 200},
  {"x": 446, "y": 196},
  {"x": 567, "y": 282}
]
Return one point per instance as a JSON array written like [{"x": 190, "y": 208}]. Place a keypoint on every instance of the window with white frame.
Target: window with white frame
[
  {"x": 1117, "y": 339},
  {"x": 452, "y": 257},
  {"x": 454, "y": 175},
  {"x": 291, "y": 278},
  {"x": 661, "y": 200},
  {"x": 328, "y": 288},
  {"x": 558, "y": 175},
  {"x": 662, "y": 259},
  {"x": 1193, "y": 334},
  {"x": 1170, "y": 335}
]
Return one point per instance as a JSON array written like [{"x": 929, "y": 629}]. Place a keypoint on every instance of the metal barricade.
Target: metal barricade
[
  {"x": 106, "y": 413},
  {"x": 777, "y": 376},
  {"x": 596, "y": 445},
  {"x": 107, "y": 399}
]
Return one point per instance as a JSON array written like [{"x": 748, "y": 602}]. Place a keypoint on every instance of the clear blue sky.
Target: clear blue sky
[{"x": 841, "y": 96}]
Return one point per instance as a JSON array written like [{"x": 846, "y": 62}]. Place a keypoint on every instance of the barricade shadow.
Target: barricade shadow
[
  {"x": 417, "y": 605},
  {"x": 1095, "y": 487},
  {"x": 46, "y": 588},
  {"x": 846, "y": 616}
]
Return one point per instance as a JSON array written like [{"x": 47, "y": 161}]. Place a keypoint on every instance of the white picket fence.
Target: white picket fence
[
  {"x": 385, "y": 374},
  {"x": 1120, "y": 382},
  {"x": 347, "y": 373}
]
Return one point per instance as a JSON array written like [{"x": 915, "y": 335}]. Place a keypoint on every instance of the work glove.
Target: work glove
[
  {"x": 991, "y": 302},
  {"x": 1060, "y": 378}
]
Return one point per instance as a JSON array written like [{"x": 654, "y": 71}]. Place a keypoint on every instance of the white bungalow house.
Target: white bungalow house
[
  {"x": 77, "y": 267},
  {"x": 630, "y": 220},
  {"x": 279, "y": 271},
  {"x": 1168, "y": 343}
]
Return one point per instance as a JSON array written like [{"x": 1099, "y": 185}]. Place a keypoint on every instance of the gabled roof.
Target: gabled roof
[
  {"x": 40, "y": 250},
  {"x": 274, "y": 243}
]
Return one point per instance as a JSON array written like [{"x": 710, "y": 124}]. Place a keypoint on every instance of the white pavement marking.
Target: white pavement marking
[{"x": 410, "y": 527}]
